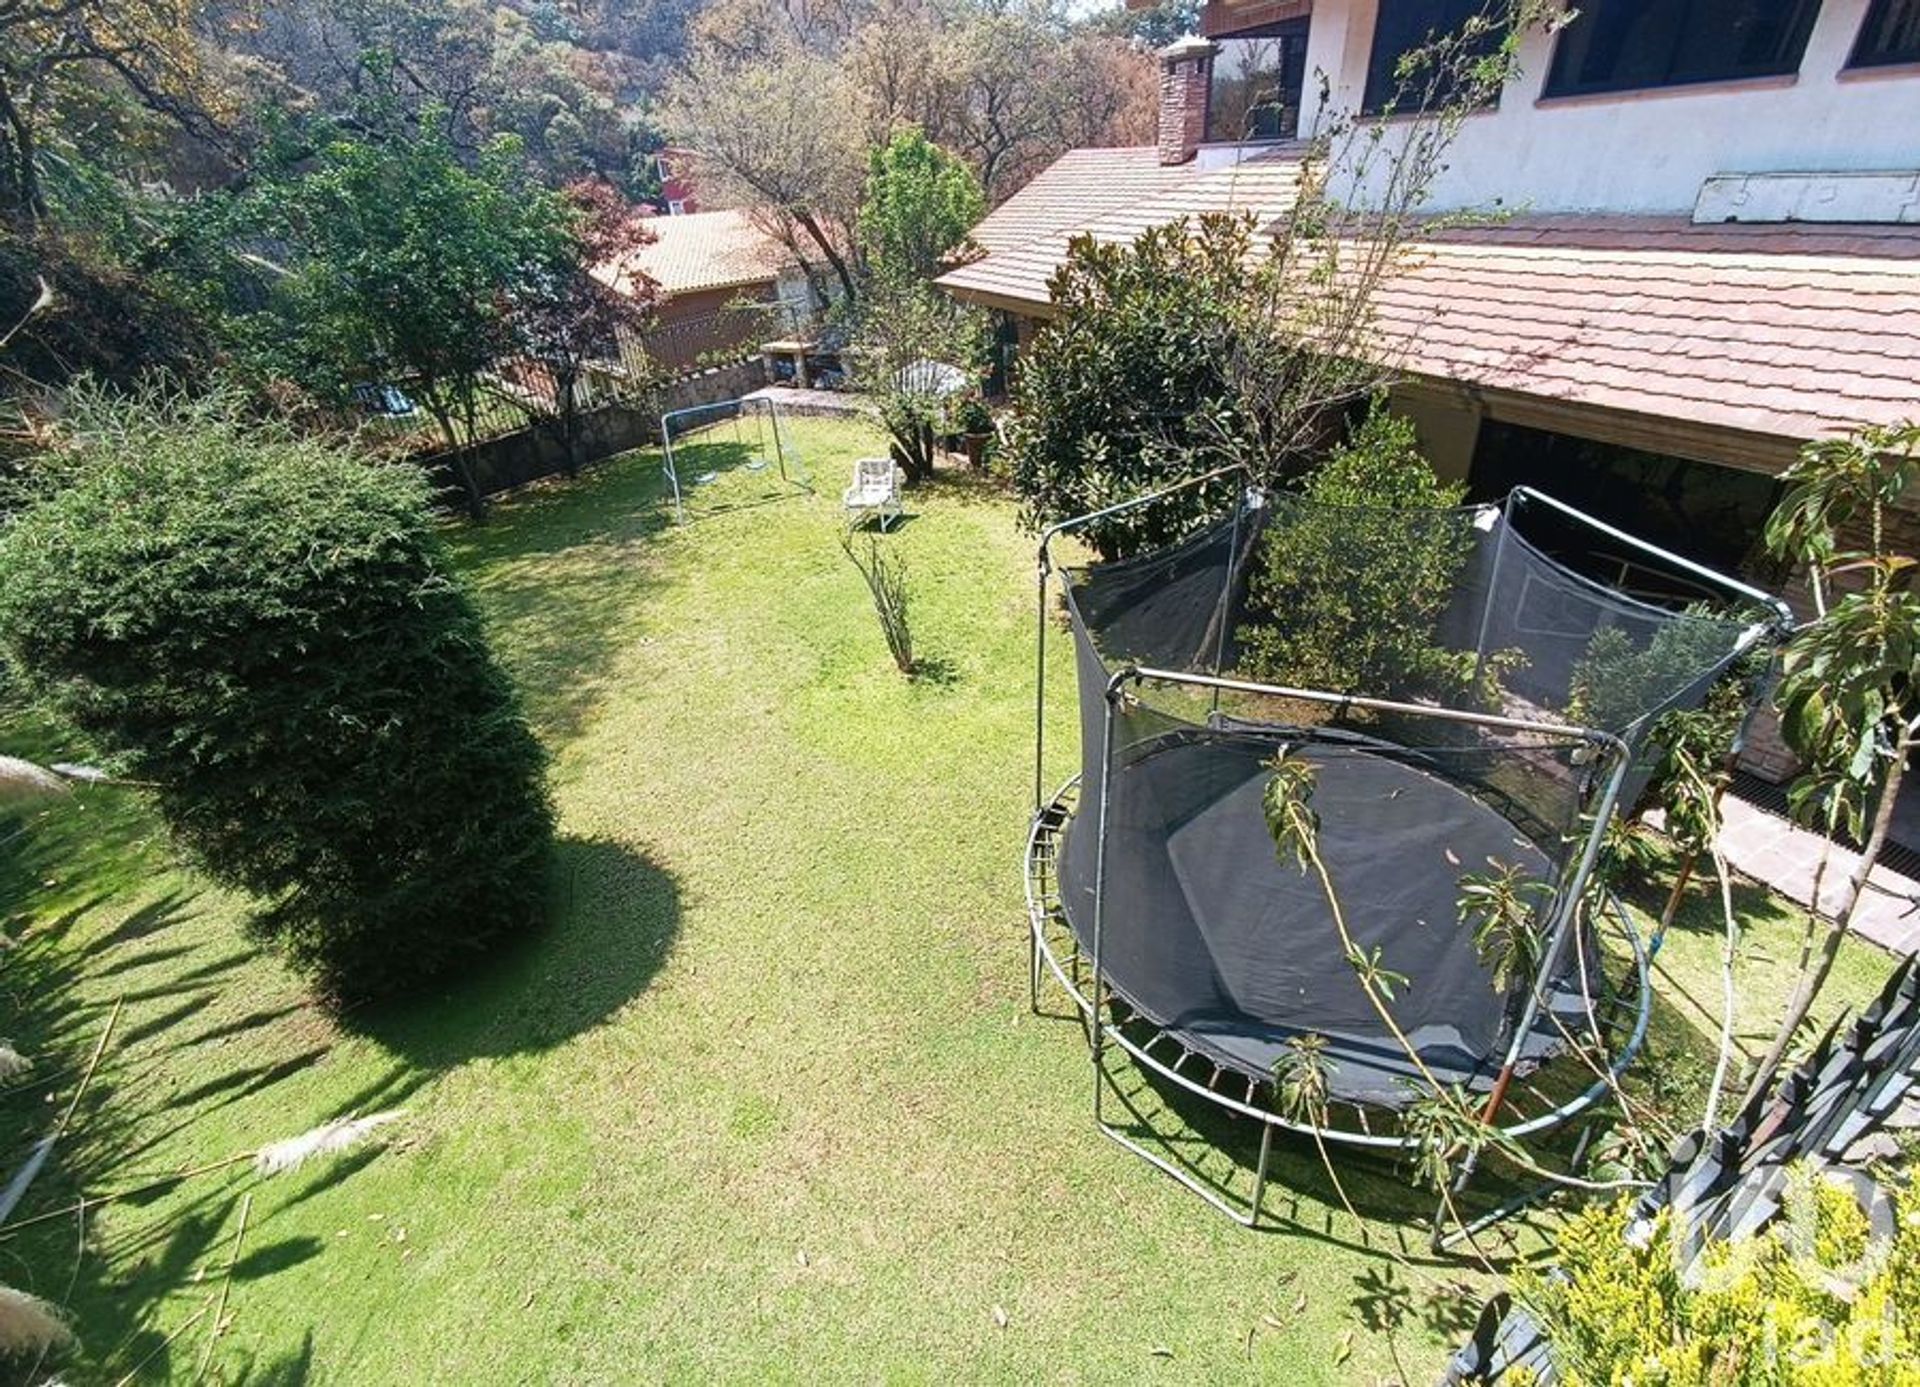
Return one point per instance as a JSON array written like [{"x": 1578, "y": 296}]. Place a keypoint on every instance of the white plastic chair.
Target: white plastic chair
[{"x": 875, "y": 491}]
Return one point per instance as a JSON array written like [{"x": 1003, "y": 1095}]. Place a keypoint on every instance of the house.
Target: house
[
  {"x": 723, "y": 284},
  {"x": 678, "y": 194},
  {"x": 1715, "y": 256}
]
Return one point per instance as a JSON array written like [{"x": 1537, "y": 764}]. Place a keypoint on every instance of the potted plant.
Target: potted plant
[{"x": 974, "y": 423}]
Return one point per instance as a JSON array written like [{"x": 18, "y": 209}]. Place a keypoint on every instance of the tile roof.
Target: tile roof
[
  {"x": 703, "y": 250},
  {"x": 1080, "y": 185},
  {"x": 1112, "y": 195},
  {"x": 1794, "y": 331}
]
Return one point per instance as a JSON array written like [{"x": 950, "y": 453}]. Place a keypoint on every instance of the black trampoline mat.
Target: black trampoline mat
[{"x": 1212, "y": 936}]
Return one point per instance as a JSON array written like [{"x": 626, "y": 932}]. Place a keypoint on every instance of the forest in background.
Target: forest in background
[{"x": 147, "y": 147}]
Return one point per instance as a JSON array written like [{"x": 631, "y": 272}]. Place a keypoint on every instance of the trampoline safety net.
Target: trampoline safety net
[{"x": 1505, "y": 668}]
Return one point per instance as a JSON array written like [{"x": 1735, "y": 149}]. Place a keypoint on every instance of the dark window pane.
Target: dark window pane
[
  {"x": 1890, "y": 35},
  {"x": 1416, "y": 27},
  {"x": 1712, "y": 515},
  {"x": 1623, "y": 45},
  {"x": 1257, "y": 81}
]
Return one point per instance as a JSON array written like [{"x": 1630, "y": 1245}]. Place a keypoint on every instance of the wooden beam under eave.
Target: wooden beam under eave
[
  {"x": 1749, "y": 450},
  {"x": 1006, "y": 303},
  {"x": 1225, "y": 18}
]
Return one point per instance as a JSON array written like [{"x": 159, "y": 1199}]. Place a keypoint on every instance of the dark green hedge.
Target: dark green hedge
[{"x": 267, "y": 630}]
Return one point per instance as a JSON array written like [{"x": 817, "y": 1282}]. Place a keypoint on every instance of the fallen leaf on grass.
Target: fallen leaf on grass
[
  {"x": 999, "y": 1317},
  {"x": 1160, "y": 1351},
  {"x": 1343, "y": 1350}
]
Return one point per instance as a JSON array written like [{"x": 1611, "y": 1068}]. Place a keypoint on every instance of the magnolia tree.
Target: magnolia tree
[{"x": 1849, "y": 694}]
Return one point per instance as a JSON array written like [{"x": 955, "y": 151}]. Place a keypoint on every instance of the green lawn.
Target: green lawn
[{"x": 764, "y": 1100}]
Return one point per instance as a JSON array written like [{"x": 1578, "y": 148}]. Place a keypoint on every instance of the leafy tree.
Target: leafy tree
[
  {"x": 908, "y": 340},
  {"x": 920, "y": 204},
  {"x": 406, "y": 266},
  {"x": 1114, "y": 396},
  {"x": 775, "y": 135},
  {"x": 570, "y": 316},
  {"x": 267, "y": 631},
  {"x": 1849, "y": 695},
  {"x": 50, "y": 50},
  {"x": 1348, "y": 590}
]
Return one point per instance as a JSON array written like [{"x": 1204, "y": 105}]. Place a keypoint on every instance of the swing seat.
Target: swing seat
[{"x": 875, "y": 490}]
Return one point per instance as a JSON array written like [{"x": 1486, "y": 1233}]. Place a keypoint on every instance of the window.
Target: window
[
  {"x": 1712, "y": 515},
  {"x": 1890, "y": 35},
  {"x": 1628, "y": 45},
  {"x": 1257, "y": 82},
  {"x": 1432, "y": 30}
]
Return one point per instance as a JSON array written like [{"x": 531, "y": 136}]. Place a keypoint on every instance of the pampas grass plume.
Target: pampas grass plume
[
  {"x": 12, "y": 1062},
  {"x": 22, "y": 780},
  {"x": 329, "y": 1138},
  {"x": 28, "y": 1324}
]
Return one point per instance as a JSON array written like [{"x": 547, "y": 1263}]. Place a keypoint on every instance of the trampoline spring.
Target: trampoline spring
[
  {"x": 1214, "y": 1082},
  {"x": 1253, "y": 1089},
  {"x": 1182, "y": 1058}
]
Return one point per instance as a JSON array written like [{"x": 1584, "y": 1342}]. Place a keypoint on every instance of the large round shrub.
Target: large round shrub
[{"x": 266, "y": 630}]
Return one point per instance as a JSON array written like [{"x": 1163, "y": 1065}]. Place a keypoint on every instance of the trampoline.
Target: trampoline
[{"x": 1157, "y": 899}]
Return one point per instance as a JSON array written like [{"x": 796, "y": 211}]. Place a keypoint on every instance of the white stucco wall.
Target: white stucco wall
[{"x": 1646, "y": 151}]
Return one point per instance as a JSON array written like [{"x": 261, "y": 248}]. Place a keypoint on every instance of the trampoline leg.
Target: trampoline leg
[
  {"x": 1260, "y": 1173},
  {"x": 1033, "y": 968}
]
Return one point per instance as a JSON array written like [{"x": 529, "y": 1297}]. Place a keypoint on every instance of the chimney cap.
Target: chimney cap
[{"x": 1191, "y": 46}]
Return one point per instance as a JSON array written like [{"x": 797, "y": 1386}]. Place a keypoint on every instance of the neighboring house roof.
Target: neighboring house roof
[
  {"x": 702, "y": 250},
  {"x": 1792, "y": 331},
  {"x": 1111, "y": 195}
]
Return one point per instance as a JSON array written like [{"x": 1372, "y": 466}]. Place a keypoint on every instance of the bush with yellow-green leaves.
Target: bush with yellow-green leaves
[{"x": 1816, "y": 1300}]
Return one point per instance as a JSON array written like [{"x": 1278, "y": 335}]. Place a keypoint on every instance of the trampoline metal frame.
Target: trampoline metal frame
[
  {"x": 1050, "y": 815},
  {"x": 1042, "y": 959},
  {"x": 772, "y": 420}
]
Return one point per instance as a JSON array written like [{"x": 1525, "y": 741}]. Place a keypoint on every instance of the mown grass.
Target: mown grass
[{"x": 764, "y": 1100}]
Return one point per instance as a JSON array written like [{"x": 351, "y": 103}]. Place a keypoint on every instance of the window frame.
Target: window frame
[
  {"x": 1856, "y": 63},
  {"x": 1559, "y": 85},
  {"x": 1373, "y": 108}
]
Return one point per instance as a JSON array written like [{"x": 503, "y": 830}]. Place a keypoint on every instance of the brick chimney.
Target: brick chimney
[{"x": 1186, "y": 75}]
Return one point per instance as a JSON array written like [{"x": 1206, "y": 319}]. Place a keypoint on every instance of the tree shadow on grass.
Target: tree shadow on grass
[{"x": 614, "y": 920}]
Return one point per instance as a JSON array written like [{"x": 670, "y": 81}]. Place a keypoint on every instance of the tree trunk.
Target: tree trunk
[
  {"x": 912, "y": 449},
  {"x": 1807, "y": 990},
  {"x": 825, "y": 242},
  {"x": 25, "y": 175},
  {"x": 476, "y": 504},
  {"x": 566, "y": 388}
]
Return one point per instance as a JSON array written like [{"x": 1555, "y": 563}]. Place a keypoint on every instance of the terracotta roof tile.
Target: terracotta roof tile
[
  {"x": 1796, "y": 330},
  {"x": 1080, "y": 185},
  {"x": 703, "y": 250},
  {"x": 1111, "y": 198}
]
